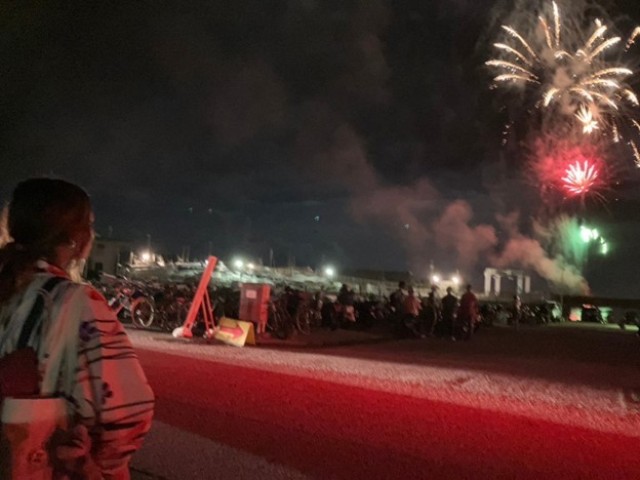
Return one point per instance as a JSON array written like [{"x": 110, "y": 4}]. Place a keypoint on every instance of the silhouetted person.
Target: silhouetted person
[
  {"x": 412, "y": 307},
  {"x": 396, "y": 300},
  {"x": 516, "y": 311},
  {"x": 449, "y": 309},
  {"x": 468, "y": 313},
  {"x": 432, "y": 310}
]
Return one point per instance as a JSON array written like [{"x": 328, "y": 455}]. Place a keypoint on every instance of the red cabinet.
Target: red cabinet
[{"x": 254, "y": 302}]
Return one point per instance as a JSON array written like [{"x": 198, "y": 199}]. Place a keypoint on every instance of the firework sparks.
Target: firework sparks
[
  {"x": 512, "y": 67},
  {"x": 589, "y": 124},
  {"x": 616, "y": 134},
  {"x": 513, "y": 51},
  {"x": 636, "y": 153},
  {"x": 511, "y": 77},
  {"x": 548, "y": 97},
  {"x": 580, "y": 82},
  {"x": 519, "y": 37},
  {"x": 600, "y": 31},
  {"x": 580, "y": 177},
  {"x": 602, "y": 47},
  {"x": 547, "y": 32},
  {"x": 631, "y": 97},
  {"x": 556, "y": 18},
  {"x": 632, "y": 38}
]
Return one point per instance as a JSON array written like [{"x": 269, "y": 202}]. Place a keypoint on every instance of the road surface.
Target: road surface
[{"x": 558, "y": 402}]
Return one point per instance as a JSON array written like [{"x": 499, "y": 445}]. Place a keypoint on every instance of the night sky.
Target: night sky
[{"x": 358, "y": 133}]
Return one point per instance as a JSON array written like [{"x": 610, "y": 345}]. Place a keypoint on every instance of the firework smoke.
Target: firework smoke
[
  {"x": 416, "y": 215},
  {"x": 453, "y": 231},
  {"x": 474, "y": 242},
  {"x": 561, "y": 236},
  {"x": 529, "y": 253}
]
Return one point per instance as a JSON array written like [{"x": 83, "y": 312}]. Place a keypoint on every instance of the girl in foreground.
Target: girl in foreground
[{"x": 84, "y": 355}]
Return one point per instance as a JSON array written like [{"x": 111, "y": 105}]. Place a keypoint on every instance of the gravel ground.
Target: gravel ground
[{"x": 575, "y": 375}]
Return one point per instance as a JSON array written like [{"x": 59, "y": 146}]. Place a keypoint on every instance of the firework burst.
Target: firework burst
[
  {"x": 568, "y": 173},
  {"x": 580, "y": 177},
  {"x": 574, "y": 73}
]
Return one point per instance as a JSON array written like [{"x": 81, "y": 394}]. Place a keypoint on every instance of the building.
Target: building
[
  {"x": 493, "y": 285},
  {"x": 107, "y": 256}
]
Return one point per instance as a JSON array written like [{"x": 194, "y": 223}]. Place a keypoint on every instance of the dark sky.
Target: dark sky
[{"x": 325, "y": 130}]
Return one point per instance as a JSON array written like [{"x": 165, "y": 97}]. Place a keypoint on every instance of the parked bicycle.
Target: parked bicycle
[
  {"x": 130, "y": 301},
  {"x": 172, "y": 306}
]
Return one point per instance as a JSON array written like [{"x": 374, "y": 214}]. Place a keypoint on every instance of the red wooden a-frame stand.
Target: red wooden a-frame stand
[{"x": 201, "y": 302}]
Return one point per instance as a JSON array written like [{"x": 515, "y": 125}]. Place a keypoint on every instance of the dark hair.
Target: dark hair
[{"x": 44, "y": 214}]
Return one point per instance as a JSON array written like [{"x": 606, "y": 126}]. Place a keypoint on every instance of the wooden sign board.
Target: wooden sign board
[{"x": 235, "y": 332}]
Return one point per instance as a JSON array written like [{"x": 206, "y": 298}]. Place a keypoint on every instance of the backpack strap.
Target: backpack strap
[{"x": 36, "y": 311}]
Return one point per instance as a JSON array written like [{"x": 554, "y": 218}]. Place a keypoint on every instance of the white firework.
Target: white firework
[
  {"x": 589, "y": 125},
  {"x": 575, "y": 73}
]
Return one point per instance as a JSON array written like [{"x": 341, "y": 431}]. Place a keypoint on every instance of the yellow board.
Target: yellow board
[{"x": 235, "y": 332}]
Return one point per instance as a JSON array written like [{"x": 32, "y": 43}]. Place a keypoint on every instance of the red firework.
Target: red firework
[{"x": 580, "y": 177}]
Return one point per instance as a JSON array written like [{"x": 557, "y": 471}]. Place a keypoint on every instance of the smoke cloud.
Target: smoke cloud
[
  {"x": 401, "y": 210},
  {"x": 453, "y": 231},
  {"x": 330, "y": 150},
  {"x": 528, "y": 253}
]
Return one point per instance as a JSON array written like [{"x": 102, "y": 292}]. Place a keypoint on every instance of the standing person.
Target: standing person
[
  {"x": 396, "y": 302},
  {"x": 83, "y": 353},
  {"x": 433, "y": 310},
  {"x": 397, "y": 299},
  {"x": 468, "y": 313},
  {"x": 516, "y": 311},
  {"x": 346, "y": 303},
  {"x": 449, "y": 308},
  {"x": 412, "y": 307}
]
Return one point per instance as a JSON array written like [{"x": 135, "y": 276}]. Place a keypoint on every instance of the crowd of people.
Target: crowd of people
[
  {"x": 448, "y": 316},
  {"x": 306, "y": 308}
]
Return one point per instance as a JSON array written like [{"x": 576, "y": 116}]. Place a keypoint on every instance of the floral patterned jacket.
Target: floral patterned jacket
[{"x": 86, "y": 357}]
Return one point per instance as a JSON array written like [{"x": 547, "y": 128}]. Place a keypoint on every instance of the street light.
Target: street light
[
  {"x": 145, "y": 257},
  {"x": 435, "y": 279},
  {"x": 329, "y": 271},
  {"x": 456, "y": 280},
  {"x": 250, "y": 266},
  {"x": 238, "y": 263}
]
